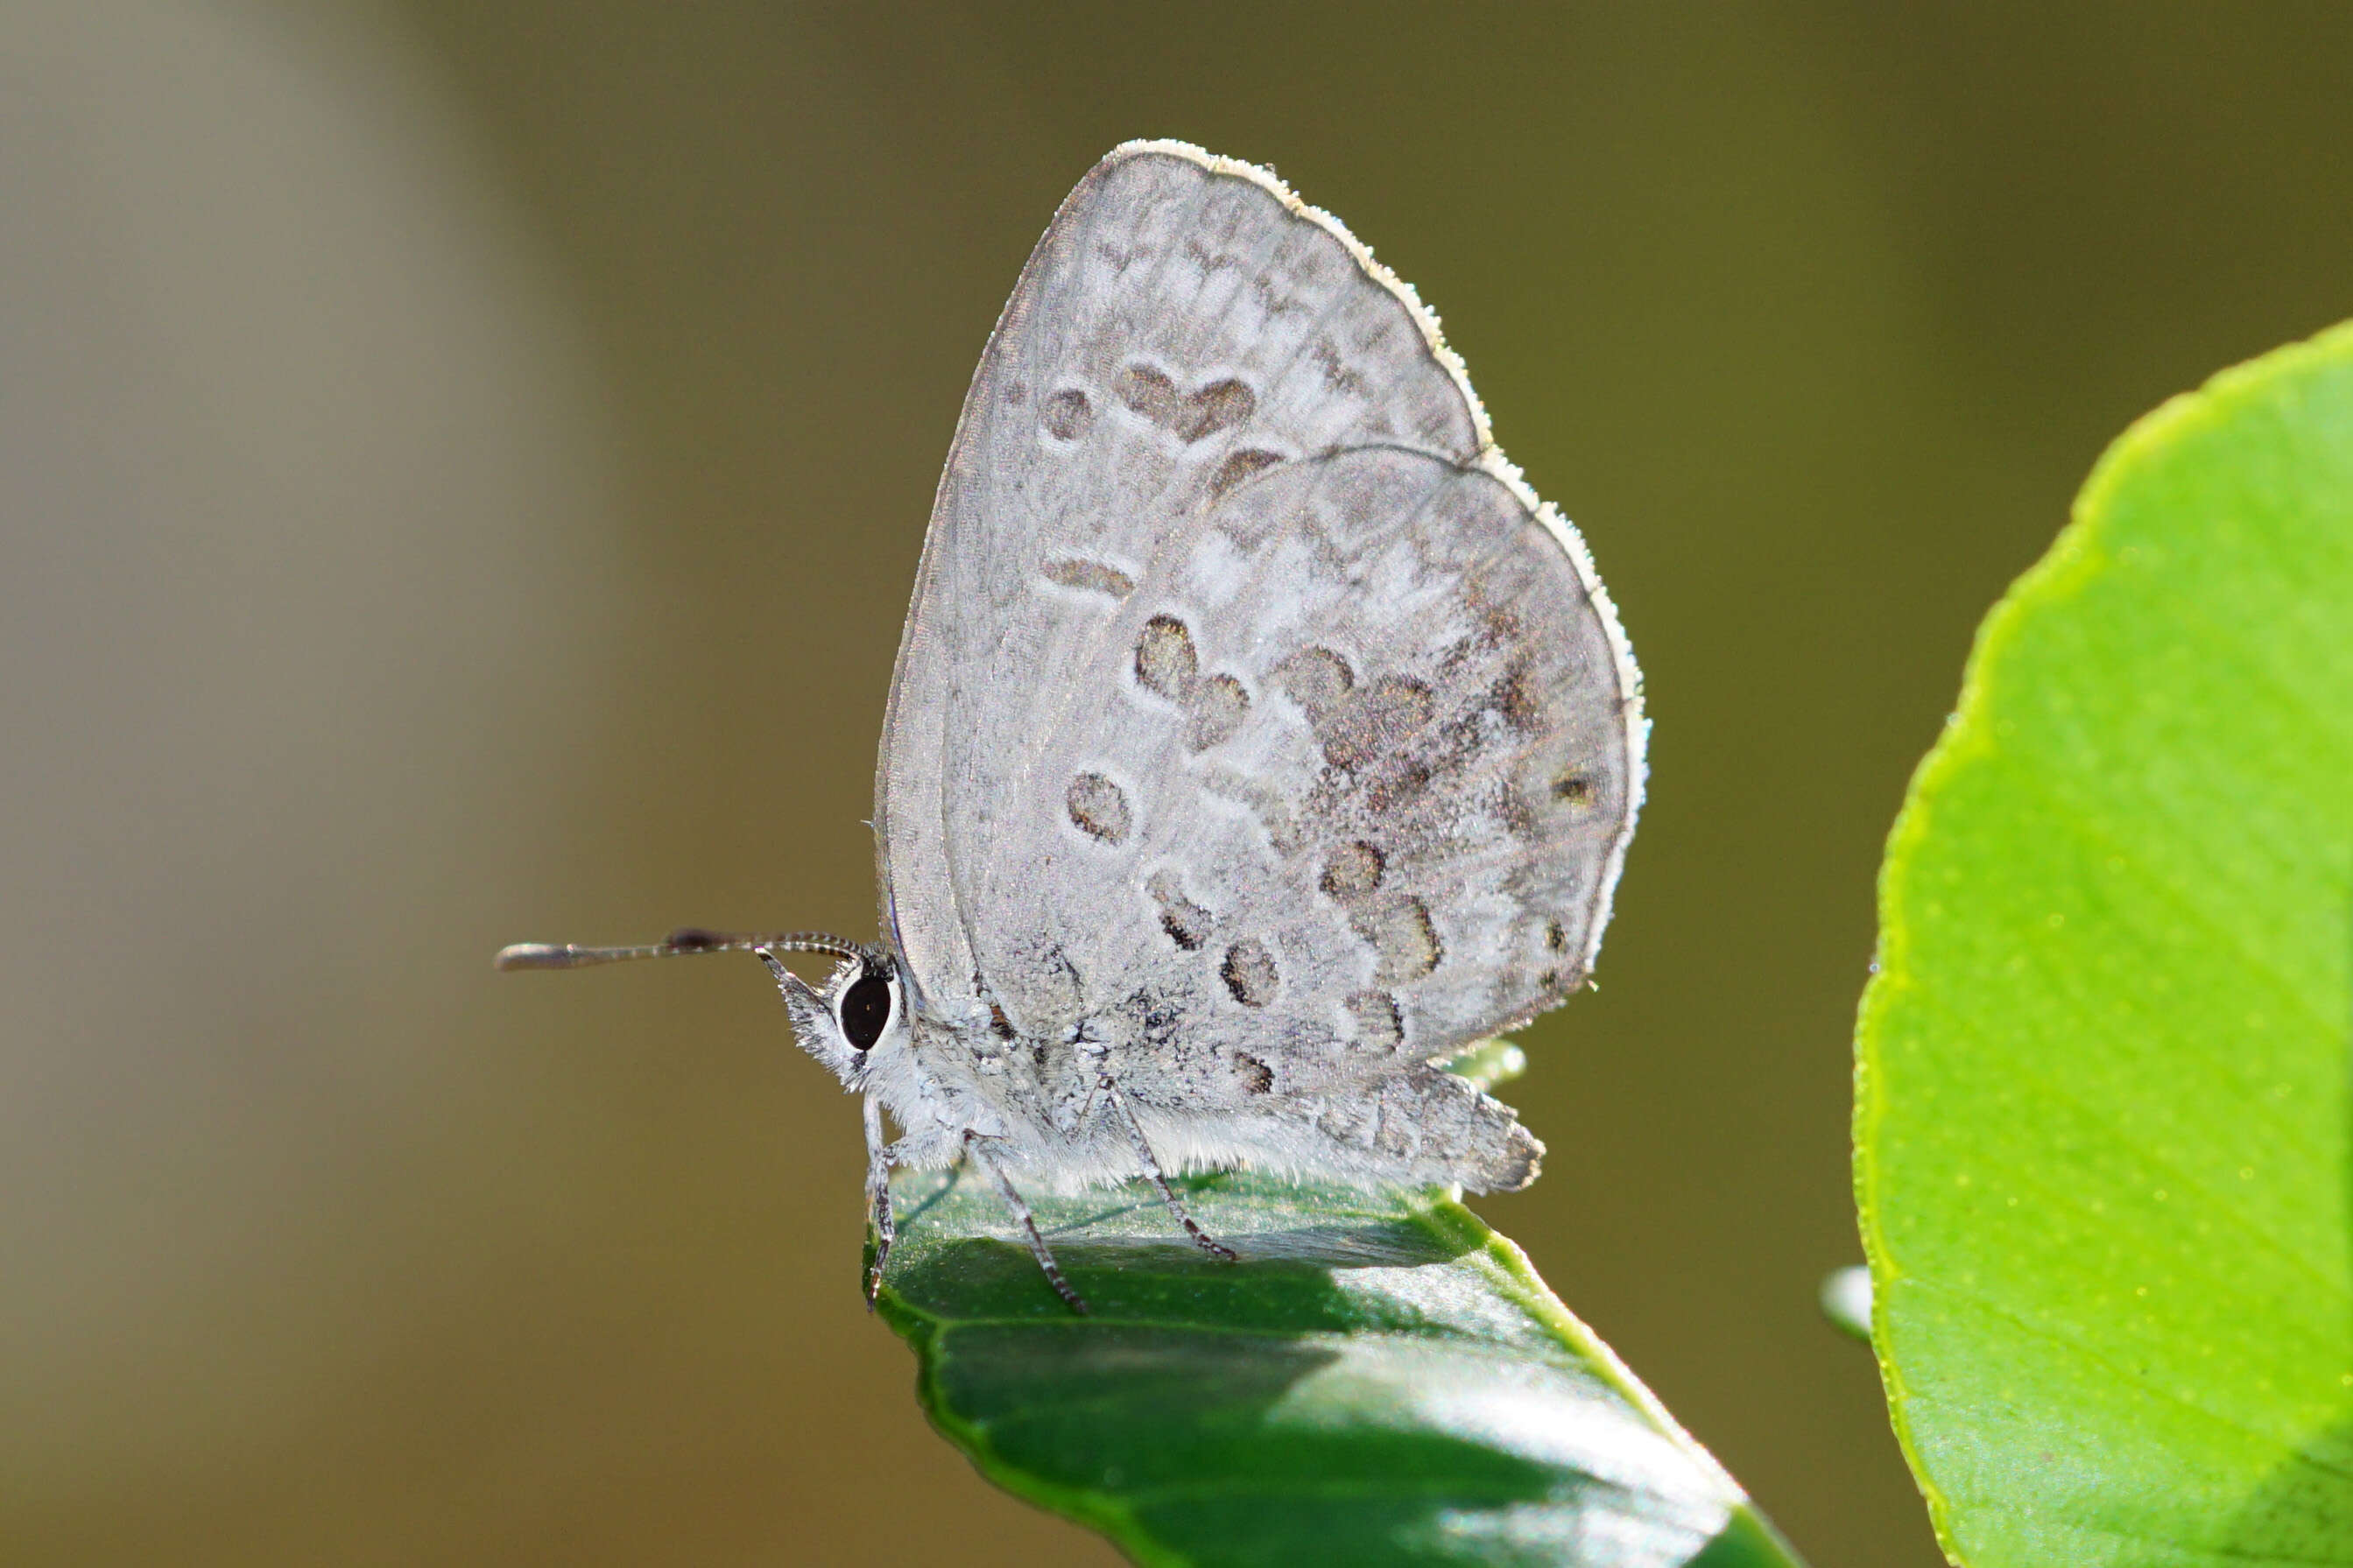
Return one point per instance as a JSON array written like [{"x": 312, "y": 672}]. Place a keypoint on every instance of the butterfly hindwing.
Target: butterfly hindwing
[{"x": 1254, "y": 724}]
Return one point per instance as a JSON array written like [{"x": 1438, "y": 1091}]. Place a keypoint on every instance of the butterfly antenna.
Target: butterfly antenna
[{"x": 689, "y": 939}]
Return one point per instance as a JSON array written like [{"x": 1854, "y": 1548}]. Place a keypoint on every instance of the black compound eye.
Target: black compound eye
[{"x": 865, "y": 1008}]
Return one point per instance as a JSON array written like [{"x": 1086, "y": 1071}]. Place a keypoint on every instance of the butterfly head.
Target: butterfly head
[{"x": 856, "y": 1013}]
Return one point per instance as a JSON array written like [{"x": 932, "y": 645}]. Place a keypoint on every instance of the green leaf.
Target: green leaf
[
  {"x": 1380, "y": 1379},
  {"x": 2103, "y": 1121},
  {"x": 1490, "y": 1064}
]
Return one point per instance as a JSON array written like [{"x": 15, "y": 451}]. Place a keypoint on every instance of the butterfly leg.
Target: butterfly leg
[
  {"x": 878, "y": 1199},
  {"x": 1143, "y": 1146},
  {"x": 1021, "y": 1207}
]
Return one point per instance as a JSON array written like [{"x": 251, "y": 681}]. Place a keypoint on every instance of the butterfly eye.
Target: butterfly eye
[{"x": 864, "y": 1009}]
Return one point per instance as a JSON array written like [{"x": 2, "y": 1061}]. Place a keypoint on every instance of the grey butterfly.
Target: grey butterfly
[{"x": 1257, "y": 742}]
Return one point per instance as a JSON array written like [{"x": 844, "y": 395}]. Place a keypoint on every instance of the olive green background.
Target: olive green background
[{"x": 461, "y": 468}]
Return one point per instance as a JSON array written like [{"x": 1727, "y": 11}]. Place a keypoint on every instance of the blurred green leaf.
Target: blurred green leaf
[
  {"x": 1490, "y": 1063},
  {"x": 1380, "y": 1379},
  {"x": 2102, "y": 1110}
]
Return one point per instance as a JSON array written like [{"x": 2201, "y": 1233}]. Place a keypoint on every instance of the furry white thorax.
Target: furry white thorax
[
  {"x": 922, "y": 1070},
  {"x": 933, "y": 1112}
]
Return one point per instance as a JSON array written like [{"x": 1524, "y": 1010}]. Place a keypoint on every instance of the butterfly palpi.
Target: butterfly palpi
[{"x": 1257, "y": 742}]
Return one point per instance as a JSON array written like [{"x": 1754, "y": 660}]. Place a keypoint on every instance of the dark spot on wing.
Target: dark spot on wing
[
  {"x": 1405, "y": 943},
  {"x": 1099, "y": 807},
  {"x": 1220, "y": 705},
  {"x": 1187, "y": 923},
  {"x": 1165, "y": 661},
  {"x": 1195, "y": 416},
  {"x": 1149, "y": 393},
  {"x": 1379, "y": 1026},
  {"x": 1220, "y": 405},
  {"x": 1240, "y": 465},
  {"x": 1513, "y": 697},
  {"x": 1248, "y": 973},
  {"x": 1317, "y": 679},
  {"x": 1089, "y": 577},
  {"x": 1353, "y": 870},
  {"x": 1378, "y": 718},
  {"x": 1067, "y": 414},
  {"x": 1256, "y": 1076},
  {"x": 1397, "y": 784}
]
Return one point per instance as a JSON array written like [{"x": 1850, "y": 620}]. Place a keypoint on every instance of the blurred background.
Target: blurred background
[{"x": 461, "y": 470}]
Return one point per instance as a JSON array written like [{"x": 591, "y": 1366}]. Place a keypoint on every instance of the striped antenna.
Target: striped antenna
[{"x": 688, "y": 940}]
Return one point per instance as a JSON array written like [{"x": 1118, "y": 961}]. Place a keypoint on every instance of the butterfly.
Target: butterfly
[{"x": 1257, "y": 742}]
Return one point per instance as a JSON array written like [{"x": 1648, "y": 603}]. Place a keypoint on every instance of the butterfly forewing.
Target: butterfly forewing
[{"x": 1252, "y": 725}]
